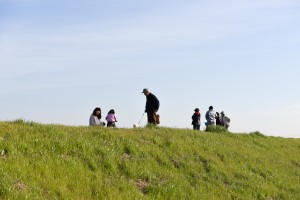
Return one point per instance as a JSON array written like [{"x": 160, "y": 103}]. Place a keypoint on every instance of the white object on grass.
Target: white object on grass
[{"x": 135, "y": 125}]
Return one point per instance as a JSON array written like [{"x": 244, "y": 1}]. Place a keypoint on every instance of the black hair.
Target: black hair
[
  {"x": 210, "y": 108},
  {"x": 95, "y": 110},
  {"x": 112, "y": 111}
]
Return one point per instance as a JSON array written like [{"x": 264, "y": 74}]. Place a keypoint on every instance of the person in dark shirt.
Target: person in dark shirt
[
  {"x": 152, "y": 106},
  {"x": 218, "y": 119},
  {"x": 196, "y": 119}
]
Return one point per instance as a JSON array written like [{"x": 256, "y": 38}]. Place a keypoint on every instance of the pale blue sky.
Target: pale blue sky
[{"x": 61, "y": 59}]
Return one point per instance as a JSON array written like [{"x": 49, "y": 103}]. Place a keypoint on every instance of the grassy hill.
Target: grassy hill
[{"x": 62, "y": 162}]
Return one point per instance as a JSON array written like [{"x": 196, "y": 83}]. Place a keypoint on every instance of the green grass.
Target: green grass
[
  {"x": 62, "y": 162},
  {"x": 216, "y": 129}
]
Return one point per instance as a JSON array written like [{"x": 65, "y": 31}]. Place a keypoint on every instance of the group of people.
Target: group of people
[
  {"x": 151, "y": 108},
  {"x": 95, "y": 118},
  {"x": 211, "y": 117}
]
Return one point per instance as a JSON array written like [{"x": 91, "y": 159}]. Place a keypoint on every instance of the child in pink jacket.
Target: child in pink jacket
[{"x": 111, "y": 118}]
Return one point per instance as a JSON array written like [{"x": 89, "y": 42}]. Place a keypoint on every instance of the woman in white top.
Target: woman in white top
[{"x": 95, "y": 118}]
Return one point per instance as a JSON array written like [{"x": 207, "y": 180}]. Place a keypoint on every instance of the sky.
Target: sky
[{"x": 59, "y": 59}]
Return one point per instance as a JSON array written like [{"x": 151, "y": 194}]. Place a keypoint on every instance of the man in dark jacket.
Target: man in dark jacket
[{"x": 152, "y": 106}]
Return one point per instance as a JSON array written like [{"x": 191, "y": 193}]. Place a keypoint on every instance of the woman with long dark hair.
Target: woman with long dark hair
[
  {"x": 95, "y": 118},
  {"x": 218, "y": 119}
]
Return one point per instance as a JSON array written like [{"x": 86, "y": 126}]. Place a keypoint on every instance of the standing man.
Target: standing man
[
  {"x": 210, "y": 116},
  {"x": 152, "y": 106}
]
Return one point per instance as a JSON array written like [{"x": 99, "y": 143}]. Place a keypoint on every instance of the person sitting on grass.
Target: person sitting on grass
[{"x": 95, "y": 118}]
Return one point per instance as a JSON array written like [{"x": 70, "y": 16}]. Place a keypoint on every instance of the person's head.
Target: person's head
[
  {"x": 146, "y": 91},
  {"x": 112, "y": 111},
  {"x": 97, "y": 112},
  {"x": 217, "y": 114},
  {"x": 222, "y": 113},
  {"x": 197, "y": 110},
  {"x": 211, "y": 108}
]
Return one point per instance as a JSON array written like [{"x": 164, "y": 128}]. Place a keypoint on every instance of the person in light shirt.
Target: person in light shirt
[
  {"x": 210, "y": 117},
  {"x": 95, "y": 118},
  {"x": 225, "y": 120}
]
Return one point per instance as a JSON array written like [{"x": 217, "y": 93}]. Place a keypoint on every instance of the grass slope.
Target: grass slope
[{"x": 61, "y": 162}]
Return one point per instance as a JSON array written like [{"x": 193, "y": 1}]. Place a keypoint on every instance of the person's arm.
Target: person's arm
[
  {"x": 147, "y": 105},
  {"x": 226, "y": 120},
  {"x": 92, "y": 121}
]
